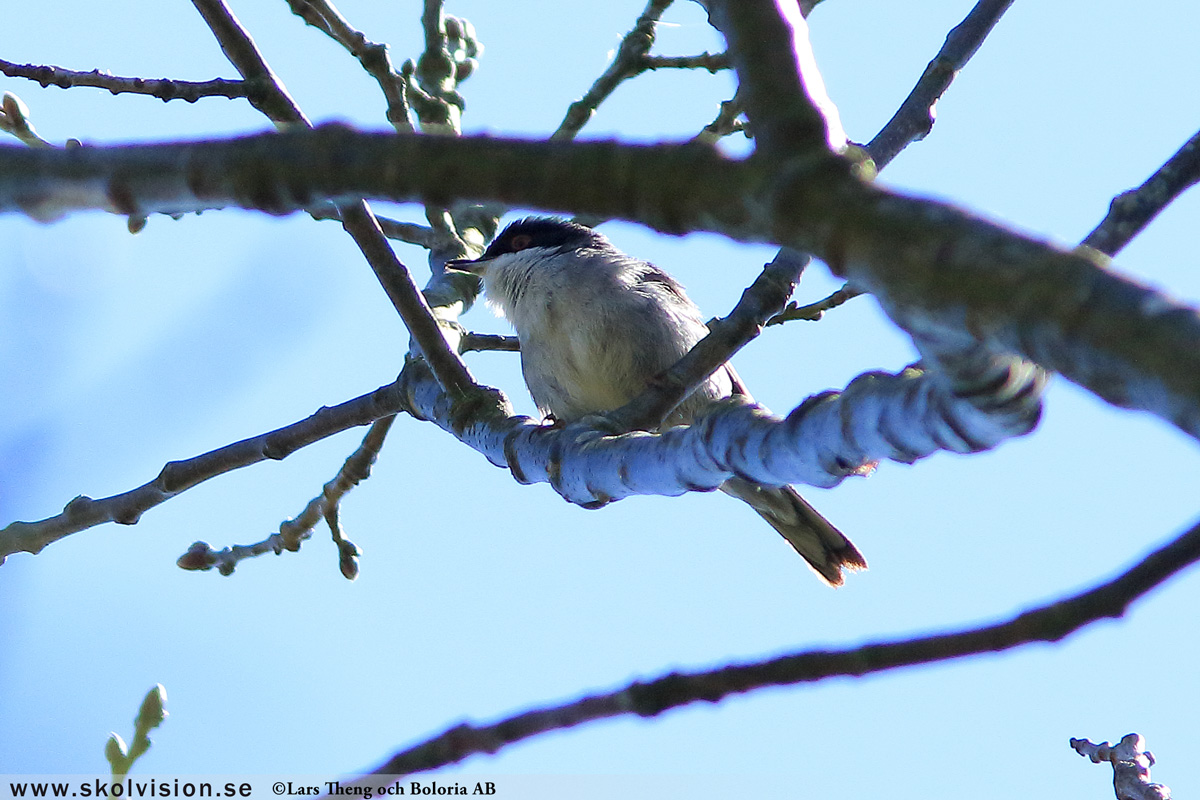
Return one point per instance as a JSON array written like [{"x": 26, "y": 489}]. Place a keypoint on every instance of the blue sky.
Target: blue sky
[{"x": 479, "y": 597}]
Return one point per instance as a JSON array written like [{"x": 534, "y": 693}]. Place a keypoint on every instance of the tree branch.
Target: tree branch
[
  {"x": 478, "y": 342},
  {"x": 373, "y": 56},
  {"x": 958, "y": 278},
  {"x": 32, "y": 537},
  {"x": 163, "y": 88},
  {"x": 357, "y": 218},
  {"x": 179, "y": 476},
  {"x": 630, "y": 61},
  {"x": 779, "y": 85},
  {"x": 293, "y": 532},
  {"x": 914, "y": 119},
  {"x": 761, "y": 300},
  {"x": 713, "y": 62},
  {"x": 1131, "y": 763},
  {"x": 814, "y": 311},
  {"x": 1130, "y": 212},
  {"x": 1048, "y": 623}
]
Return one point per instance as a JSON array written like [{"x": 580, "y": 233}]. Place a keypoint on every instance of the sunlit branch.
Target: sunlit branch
[{"x": 814, "y": 311}]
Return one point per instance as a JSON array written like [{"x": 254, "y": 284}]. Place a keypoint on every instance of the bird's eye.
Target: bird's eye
[{"x": 520, "y": 242}]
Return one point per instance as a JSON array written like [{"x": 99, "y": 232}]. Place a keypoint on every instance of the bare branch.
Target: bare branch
[
  {"x": 713, "y": 62},
  {"x": 357, "y": 218},
  {"x": 814, "y": 311},
  {"x": 832, "y": 436},
  {"x": 1048, "y": 623},
  {"x": 629, "y": 62},
  {"x": 1130, "y": 212},
  {"x": 760, "y": 301},
  {"x": 179, "y": 476},
  {"x": 1131, "y": 763},
  {"x": 726, "y": 123},
  {"x": 478, "y": 342},
  {"x": 407, "y": 232},
  {"x": 293, "y": 532},
  {"x": 779, "y": 85},
  {"x": 914, "y": 119},
  {"x": 373, "y": 56},
  {"x": 163, "y": 88}
]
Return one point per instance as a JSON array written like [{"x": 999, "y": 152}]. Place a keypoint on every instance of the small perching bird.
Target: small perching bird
[{"x": 596, "y": 326}]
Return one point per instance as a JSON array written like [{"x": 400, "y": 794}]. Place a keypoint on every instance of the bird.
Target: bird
[{"x": 597, "y": 326}]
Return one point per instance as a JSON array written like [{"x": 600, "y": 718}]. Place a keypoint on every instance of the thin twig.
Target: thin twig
[
  {"x": 760, "y": 301},
  {"x": 163, "y": 88},
  {"x": 629, "y": 61},
  {"x": 1130, "y": 212},
  {"x": 373, "y": 56},
  {"x": 814, "y": 311},
  {"x": 407, "y": 232},
  {"x": 725, "y": 124},
  {"x": 357, "y": 217},
  {"x": 914, "y": 119},
  {"x": 293, "y": 532},
  {"x": 1048, "y": 623},
  {"x": 179, "y": 476}
]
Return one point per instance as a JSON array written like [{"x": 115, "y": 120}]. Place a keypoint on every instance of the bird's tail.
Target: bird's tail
[{"x": 823, "y": 546}]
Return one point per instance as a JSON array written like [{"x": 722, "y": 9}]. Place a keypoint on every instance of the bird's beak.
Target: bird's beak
[{"x": 473, "y": 266}]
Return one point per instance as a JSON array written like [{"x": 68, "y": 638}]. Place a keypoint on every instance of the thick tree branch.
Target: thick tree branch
[
  {"x": 163, "y": 88},
  {"x": 779, "y": 85},
  {"x": 901, "y": 417},
  {"x": 958, "y": 278},
  {"x": 34, "y": 536},
  {"x": 1049, "y": 623}
]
